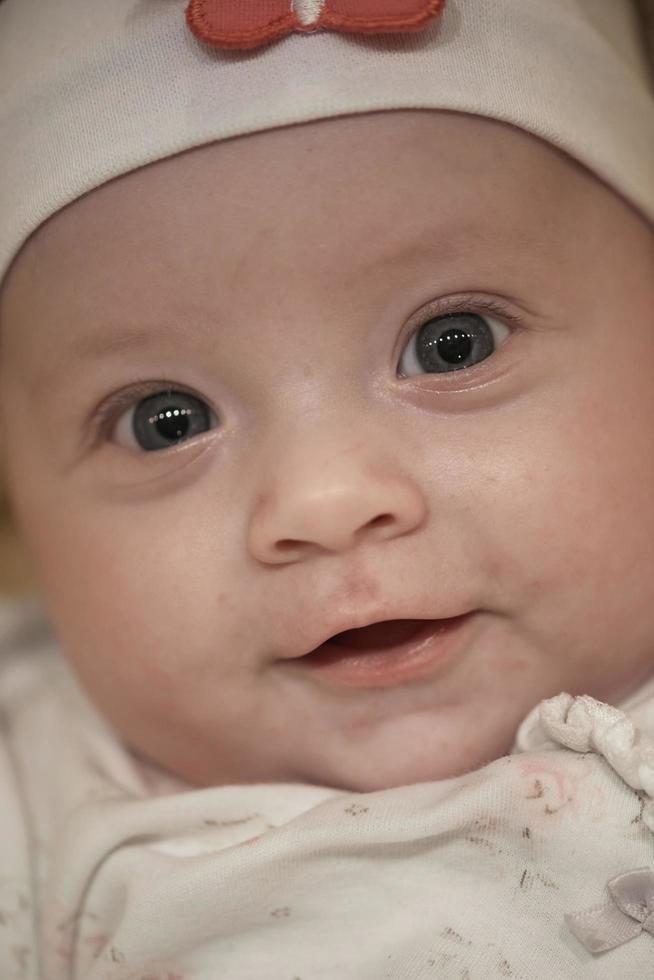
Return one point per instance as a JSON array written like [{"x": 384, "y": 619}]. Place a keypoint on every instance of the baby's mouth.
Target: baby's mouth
[
  {"x": 378, "y": 636},
  {"x": 386, "y": 654}
]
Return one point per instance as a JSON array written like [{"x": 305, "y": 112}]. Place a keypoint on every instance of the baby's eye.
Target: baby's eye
[
  {"x": 163, "y": 420},
  {"x": 451, "y": 342}
]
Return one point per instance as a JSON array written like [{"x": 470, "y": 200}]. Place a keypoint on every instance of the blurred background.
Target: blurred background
[{"x": 15, "y": 575}]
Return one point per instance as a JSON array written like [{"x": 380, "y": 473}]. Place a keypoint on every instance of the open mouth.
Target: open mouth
[
  {"x": 378, "y": 636},
  {"x": 384, "y": 654}
]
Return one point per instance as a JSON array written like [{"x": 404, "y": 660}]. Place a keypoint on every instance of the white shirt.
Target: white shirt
[{"x": 113, "y": 870}]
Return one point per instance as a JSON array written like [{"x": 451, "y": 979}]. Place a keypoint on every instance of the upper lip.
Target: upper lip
[{"x": 344, "y": 623}]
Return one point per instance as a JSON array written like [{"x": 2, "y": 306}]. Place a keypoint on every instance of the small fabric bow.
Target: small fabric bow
[
  {"x": 251, "y": 23},
  {"x": 630, "y": 911}
]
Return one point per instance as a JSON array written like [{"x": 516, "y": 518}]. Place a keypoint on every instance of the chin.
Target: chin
[{"x": 369, "y": 776}]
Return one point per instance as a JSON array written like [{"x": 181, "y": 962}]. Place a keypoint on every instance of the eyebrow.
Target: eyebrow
[
  {"x": 112, "y": 338},
  {"x": 125, "y": 338},
  {"x": 122, "y": 339}
]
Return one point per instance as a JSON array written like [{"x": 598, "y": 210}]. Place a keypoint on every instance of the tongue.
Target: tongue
[{"x": 378, "y": 635}]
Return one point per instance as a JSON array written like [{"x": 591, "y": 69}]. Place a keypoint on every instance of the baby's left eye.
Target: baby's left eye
[{"x": 451, "y": 342}]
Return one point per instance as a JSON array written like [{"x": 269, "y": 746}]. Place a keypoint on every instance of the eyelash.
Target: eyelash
[
  {"x": 466, "y": 304},
  {"x": 108, "y": 413}
]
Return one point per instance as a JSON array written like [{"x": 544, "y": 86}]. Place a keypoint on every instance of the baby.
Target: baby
[{"x": 330, "y": 445}]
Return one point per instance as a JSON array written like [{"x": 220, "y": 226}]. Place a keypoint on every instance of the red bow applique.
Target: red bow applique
[{"x": 251, "y": 23}]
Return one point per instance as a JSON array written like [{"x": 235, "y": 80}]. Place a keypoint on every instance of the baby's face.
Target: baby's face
[{"x": 412, "y": 357}]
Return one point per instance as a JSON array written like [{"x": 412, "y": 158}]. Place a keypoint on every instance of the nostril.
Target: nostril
[
  {"x": 381, "y": 521},
  {"x": 335, "y": 538},
  {"x": 287, "y": 544}
]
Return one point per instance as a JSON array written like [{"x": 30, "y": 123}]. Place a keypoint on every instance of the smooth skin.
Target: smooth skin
[{"x": 280, "y": 277}]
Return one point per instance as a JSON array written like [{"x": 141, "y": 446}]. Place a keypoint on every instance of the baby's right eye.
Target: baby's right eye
[{"x": 162, "y": 420}]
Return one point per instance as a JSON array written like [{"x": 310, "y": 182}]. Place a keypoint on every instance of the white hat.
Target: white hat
[{"x": 90, "y": 90}]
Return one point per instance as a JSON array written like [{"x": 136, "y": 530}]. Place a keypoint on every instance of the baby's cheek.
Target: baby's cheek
[
  {"x": 115, "y": 625},
  {"x": 590, "y": 516},
  {"x": 569, "y": 537}
]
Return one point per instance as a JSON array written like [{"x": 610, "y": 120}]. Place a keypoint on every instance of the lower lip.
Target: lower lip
[{"x": 435, "y": 644}]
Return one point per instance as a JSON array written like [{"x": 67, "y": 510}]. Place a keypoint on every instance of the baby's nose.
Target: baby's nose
[{"x": 310, "y": 506}]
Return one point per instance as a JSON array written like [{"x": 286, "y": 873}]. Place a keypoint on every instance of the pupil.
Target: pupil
[
  {"x": 172, "y": 423},
  {"x": 454, "y": 346}
]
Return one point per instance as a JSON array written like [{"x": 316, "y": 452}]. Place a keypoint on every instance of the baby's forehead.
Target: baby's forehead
[
  {"x": 368, "y": 202},
  {"x": 465, "y": 165}
]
